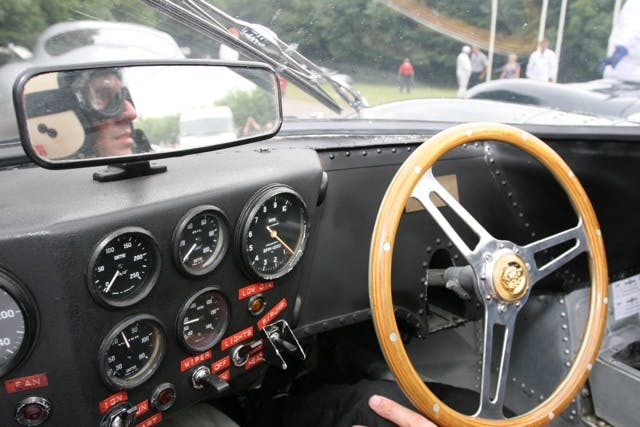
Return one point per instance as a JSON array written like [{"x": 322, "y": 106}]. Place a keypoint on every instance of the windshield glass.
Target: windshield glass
[{"x": 426, "y": 60}]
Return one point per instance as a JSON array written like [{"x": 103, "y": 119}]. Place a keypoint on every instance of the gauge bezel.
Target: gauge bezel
[
  {"x": 183, "y": 311},
  {"x": 149, "y": 282},
  {"x": 116, "y": 384},
  {"x": 27, "y": 305},
  {"x": 223, "y": 239},
  {"x": 244, "y": 223}
]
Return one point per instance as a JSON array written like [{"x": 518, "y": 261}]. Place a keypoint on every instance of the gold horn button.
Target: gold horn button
[{"x": 510, "y": 277}]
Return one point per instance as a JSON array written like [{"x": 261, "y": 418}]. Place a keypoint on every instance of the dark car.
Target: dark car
[{"x": 599, "y": 98}]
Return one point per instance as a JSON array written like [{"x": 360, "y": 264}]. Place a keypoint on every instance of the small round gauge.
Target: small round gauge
[
  {"x": 131, "y": 352},
  {"x": 17, "y": 323},
  {"x": 200, "y": 240},
  {"x": 203, "y": 320},
  {"x": 273, "y": 232},
  {"x": 124, "y": 267}
]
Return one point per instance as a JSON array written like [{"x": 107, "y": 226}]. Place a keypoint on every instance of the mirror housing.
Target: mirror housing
[{"x": 121, "y": 112}]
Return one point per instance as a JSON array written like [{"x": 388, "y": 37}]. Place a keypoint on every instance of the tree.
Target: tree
[
  {"x": 361, "y": 37},
  {"x": 585, "y": 42}
]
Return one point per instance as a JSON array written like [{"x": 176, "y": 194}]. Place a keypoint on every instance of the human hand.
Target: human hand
[
  {"x": 619, "y": 53},
  {"x": 396, "y": 413}
]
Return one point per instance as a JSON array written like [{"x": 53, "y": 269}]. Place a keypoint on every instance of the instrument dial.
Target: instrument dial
[
  {"x": 124, "y": 267},
  {"x": 17, "y": 323},
  {"x": 275, "y": 231},
  {"x": 200, "y": 240},
  {"x": 131, "y": 352},
  {"x": 11, "y": 327},
  {"x": 203, "y": 320}
]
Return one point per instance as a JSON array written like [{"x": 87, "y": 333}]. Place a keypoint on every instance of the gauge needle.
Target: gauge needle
[
  {"x": 186, "y": 257},
  {"x": 113, "y": 279},
  {"x": 126, "y": 341},
  {"x": 188, "y": 322},
  {"x": 274, "y": 235}
]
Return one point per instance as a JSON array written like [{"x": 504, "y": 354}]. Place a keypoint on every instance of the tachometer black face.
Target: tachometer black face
[
  {"x": 200, "y": 240},
  {"x": 17, "y": 323},
  {"x": 124, "y": 267},
  {"x": 131, "y": 352},
  {"x": 203, "y": 320},
  {"x": 275, "y": 231}
]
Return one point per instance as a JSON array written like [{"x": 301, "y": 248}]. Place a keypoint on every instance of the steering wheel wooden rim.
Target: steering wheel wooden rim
[{"x": 380, "y": 260}]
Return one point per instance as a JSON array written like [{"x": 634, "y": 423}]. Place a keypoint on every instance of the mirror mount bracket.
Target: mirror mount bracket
[{"x": 128, "y": 170}]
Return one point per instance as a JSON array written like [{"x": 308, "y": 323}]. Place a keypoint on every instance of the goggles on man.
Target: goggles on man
[{"x": 100, "y": 93}]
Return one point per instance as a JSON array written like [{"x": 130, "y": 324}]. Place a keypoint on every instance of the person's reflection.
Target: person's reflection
[
  {"x": 110, "y": 111},
  {"x": 114, "y": 136}
]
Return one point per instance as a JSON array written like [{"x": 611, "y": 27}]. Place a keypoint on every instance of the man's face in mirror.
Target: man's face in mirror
[{"x": 114, "y": 134}]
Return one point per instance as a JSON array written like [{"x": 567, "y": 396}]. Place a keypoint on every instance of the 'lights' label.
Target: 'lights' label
[{"x": 236, "y": 338}]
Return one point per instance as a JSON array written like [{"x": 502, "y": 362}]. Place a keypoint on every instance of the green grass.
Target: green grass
[{"x": 381, "y": 93}]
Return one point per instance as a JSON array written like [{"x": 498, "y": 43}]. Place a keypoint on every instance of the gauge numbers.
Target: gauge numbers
[
  {"x": 17, "y": 323},
  {"x": 203, "y": 320},
  {"x": 131, "y": 352},
  {"x": 275, "y": 231},
  {"x": 200, "y": 240},
  {"x": 124, "y": 267},
  {"x": 12, "y": 328}
]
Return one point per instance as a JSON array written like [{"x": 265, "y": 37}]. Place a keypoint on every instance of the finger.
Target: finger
[{"x": 397, "y": 414}]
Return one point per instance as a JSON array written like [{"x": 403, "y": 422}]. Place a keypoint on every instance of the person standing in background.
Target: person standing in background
[
  {"x": 463, "y": 70},
  {"x": 479, "y": 64},
  {"x": 624, "y": 62},
  {"x": 511, "y": 70},
  {"x": 405, "y": 75},
  {"x": 543, "y": 63}
]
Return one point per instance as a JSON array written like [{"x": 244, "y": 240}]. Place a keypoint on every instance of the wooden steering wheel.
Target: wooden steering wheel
[{"x": 505, "y": 274}]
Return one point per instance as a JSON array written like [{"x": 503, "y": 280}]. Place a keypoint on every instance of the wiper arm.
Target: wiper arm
[{"x": 262, "y": 44}]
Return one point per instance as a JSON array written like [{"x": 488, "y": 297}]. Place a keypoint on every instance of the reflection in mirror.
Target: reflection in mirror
[{"x": 133, "y": 110}]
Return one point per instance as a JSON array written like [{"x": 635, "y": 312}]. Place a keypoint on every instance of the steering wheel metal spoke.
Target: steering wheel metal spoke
[
  {"x": 576, "y": 234},
  {"x": 422, "y": 192},
  {"x": 499, "y": 322}
]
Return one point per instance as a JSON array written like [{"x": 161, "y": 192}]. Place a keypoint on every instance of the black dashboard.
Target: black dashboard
[{"x": 56, "y": 224}]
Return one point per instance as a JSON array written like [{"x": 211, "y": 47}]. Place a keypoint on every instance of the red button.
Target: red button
[
  {"x": 32, "y": 412},
  {"x": 165, "y": 397}
]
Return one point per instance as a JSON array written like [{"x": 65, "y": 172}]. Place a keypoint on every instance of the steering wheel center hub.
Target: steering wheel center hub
[{"x": 510, "y": 277}]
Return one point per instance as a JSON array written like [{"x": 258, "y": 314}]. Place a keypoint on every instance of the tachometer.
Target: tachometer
[
  {"x": 273, "y": 232},
  {"x": 17, "y": 323},
  {"x": 200, "y": 240},
  {"x": 203, "y": 319},
  {"x": 124, "y": 267},
  {"x": 132, "y": 351}
]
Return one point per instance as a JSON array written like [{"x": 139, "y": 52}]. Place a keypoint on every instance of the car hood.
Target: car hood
[{"x": 456, "y": 110}]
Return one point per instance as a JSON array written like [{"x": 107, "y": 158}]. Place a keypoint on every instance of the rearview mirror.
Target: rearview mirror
[{"x": 116, "y": 113}]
